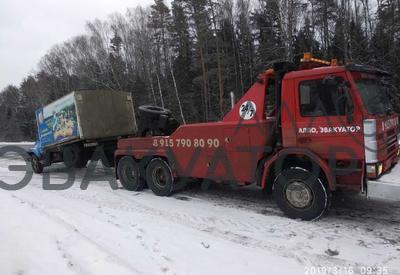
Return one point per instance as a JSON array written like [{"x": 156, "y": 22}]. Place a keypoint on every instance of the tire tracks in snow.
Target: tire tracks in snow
[
  {"x": 212, "y": 225},
  {"x": 238, "y": 231},
  {"x": 72, "y": 228}
]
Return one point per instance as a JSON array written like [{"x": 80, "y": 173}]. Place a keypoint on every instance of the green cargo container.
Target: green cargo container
[{"x": 73, "y": 127}]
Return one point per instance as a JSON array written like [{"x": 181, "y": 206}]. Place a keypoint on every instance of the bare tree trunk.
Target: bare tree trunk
[
  {"x": 344, "y": 11},
  {"x": 355, "y": 12},
  {"x": 205, "y": 91},
  {"x": 152, "y": 87},
  {"x": 240, "y": 71},
  {"x": 176, "y": 92},
  {"x": 220, "y": 78},
  {"x": 326, "y": 29},
  {"x": 365, "y": 2},
  {"x": 236, "y": 53},
  {"x": 287, "y": 18},
  {"x": 348, "y": 40},
  {"x": 291, "y": 24},
  {"x": 313, "y": 28},
  {"x": 160, "y": 91},
  {"x": 149, "y": 71}
]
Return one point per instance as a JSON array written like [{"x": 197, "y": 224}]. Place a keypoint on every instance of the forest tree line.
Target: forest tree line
[{"x": 188, "y": 55}]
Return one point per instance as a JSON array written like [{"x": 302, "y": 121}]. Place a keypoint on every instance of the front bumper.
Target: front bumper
[{"x": 376, "y": 170}]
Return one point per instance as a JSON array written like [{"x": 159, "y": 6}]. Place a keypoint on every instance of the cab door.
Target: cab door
[{"x": 328, "y": 121}]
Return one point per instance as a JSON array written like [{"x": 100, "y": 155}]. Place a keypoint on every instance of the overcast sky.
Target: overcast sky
[{"x": 29, "y": 28}]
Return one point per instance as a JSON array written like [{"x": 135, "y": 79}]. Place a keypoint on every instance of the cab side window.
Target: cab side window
[{"x": 318, "y": 99}]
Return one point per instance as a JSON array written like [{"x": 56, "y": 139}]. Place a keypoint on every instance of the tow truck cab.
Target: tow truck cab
[
  {"x": 298, "y": 132},
  {"x": 342, "y": 114}
]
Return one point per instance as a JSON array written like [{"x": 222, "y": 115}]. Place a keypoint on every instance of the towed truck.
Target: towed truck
[
  {"x": 300, "y": 132},
  {"x": 74, "y": 126}
]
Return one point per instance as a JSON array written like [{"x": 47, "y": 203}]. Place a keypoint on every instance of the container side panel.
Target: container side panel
[
  {"x": 104, "y": 114},
  {"x": 57, "y": 122}
]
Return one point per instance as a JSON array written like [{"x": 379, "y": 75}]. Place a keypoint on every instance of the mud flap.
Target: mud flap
[{"x": 387, "y": 187}]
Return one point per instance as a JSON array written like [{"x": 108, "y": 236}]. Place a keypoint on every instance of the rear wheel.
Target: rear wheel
[
  {"x": 129, "y": 174},
  {"x": 301, "y": 195},
  {"x": 159, "y": 177},
  {"x": 108, "y": 160},
  {"x": 37, "y": 166},
  {"x": 83, "y": 160}
]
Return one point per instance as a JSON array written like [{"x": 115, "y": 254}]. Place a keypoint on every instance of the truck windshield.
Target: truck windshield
[{"x": 375, "y": 96}]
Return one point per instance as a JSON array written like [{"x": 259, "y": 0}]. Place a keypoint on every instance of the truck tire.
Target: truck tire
[
  {"x": 159, "y": 177},
  {"x": 37, "y": 166},
  {"x": 301, "y": 195},
  {"x": 129, "y": 174},
  {"x": 108, "y": 161},
  {"x": 83, "y": 161},
  {"x": 74, "y": 156}
]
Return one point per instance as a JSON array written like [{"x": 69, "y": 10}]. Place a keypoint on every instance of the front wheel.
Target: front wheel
[
  {"x": 159, "y": 177},
  {"x": 37, "y": 166},
  {"x": 301, "y": 195}
]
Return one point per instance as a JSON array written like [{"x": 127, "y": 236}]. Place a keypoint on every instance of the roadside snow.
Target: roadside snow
[
  {"x": 17, "y": 143},
  {"x": 392, "y": 176},
  {"x": 218, "y": 231}
]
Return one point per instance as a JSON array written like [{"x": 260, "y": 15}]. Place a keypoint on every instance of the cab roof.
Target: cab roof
[
  {"x": 315, "y": 71},
  {"x": 310, "y": 66},
  {"x": 335, "y": 69}
]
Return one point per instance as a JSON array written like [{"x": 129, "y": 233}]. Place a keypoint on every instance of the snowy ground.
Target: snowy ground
[{"x": 216, "y": 231}]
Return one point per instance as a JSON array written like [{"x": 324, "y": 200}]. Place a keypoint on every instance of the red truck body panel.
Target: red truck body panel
[{"x": 233, "y": 148}]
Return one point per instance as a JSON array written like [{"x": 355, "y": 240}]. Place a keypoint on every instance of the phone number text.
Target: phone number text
[{"x": 187, "y": 143}]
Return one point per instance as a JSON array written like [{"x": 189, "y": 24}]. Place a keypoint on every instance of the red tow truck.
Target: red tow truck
[{"x": 299, "y": 132}]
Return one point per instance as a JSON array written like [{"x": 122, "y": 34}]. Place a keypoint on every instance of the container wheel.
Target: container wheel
[
  {"x": 37, "y": 166},
  {"x": 301, "y": 195},
  {"x": 108, "y": 160},
  {"x": 74, "y": 156},
  {"x": 159, "y": 177},
  {"x": 129, "y": 174},
  {"x": 83, "y": 161}
]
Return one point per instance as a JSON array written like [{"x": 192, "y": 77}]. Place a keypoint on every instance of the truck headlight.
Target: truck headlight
[
  {"x": 374, "y": 170},
  {"x": 380, "y": 169},
  {"x": 371, "y": 169}
]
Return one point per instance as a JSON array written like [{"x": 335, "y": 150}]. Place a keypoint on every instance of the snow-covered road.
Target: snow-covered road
[{"x": 221, "y": 230}]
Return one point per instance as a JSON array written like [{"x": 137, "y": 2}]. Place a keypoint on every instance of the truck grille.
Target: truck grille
[{"x": 391, "y": 143}]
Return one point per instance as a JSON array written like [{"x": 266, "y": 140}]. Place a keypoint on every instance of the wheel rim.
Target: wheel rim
[
  {"x": 35, "y": 164},
  {"x": 299, "y": 195},
  {"x": 130, "y": 173},
  {"x": 159, "y": 177},
  {"x": 73, "y": 155},
  {"x": 70, "y": 156}
]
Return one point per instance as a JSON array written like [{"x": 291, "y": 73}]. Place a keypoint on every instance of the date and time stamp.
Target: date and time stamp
[{"x": 347, "y": 270}]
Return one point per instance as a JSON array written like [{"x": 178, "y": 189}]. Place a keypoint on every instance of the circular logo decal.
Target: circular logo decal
[{"x": 247, "y": 110}]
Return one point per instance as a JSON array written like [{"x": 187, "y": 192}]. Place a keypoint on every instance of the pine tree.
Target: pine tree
[
  {"x": 270, "y": 46},
  {"x": 159, "y": 20},
  {"x": 182, "y": 51},
  {"x": 117, "y": 64},
  {"x": 245, "y": 44}
]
